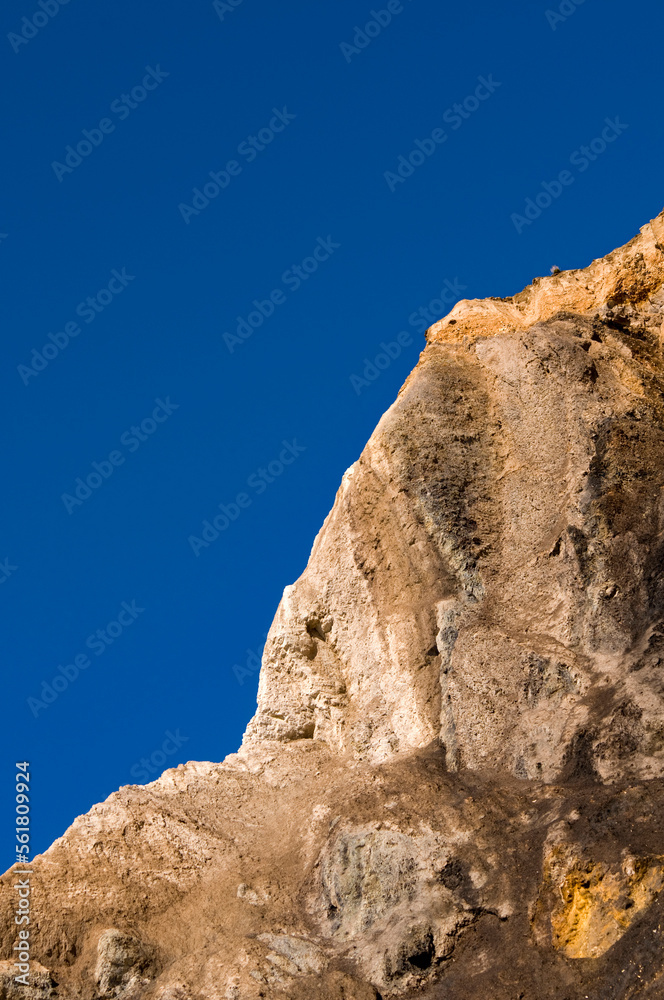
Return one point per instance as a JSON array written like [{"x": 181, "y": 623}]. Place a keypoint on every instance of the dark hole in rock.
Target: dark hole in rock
[
  {"x": 452, "y": 875},
  {"x": 423, "y": 958}
]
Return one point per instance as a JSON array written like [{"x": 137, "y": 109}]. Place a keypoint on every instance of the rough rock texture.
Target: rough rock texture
[{"x": 453, "y": 785}]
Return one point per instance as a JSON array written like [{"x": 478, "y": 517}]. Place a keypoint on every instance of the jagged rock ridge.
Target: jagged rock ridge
[{"x": 452, "y": 785}]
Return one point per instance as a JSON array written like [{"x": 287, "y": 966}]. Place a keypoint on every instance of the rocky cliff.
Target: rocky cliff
[{"x": 453, "y": 785}]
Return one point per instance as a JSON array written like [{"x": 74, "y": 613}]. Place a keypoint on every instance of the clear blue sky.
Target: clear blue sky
[{"x": 314, "y": 225}]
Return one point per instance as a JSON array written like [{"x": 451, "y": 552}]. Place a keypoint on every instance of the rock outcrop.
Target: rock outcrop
[{"x": 454, "y": 780}]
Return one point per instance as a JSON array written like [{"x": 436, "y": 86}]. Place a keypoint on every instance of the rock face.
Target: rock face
[
  {"x": 453, "y": 785},
  {"x": 490, "y": 574}
]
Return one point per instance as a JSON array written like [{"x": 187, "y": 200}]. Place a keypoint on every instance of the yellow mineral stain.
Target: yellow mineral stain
[{"x": 599, "y": 904}]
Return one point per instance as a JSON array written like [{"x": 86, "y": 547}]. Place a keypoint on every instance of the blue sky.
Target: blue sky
[{"x": 211, "y": 220}]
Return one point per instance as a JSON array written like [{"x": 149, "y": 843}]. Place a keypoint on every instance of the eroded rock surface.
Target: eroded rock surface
[{"x": 453, "y": 785}]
